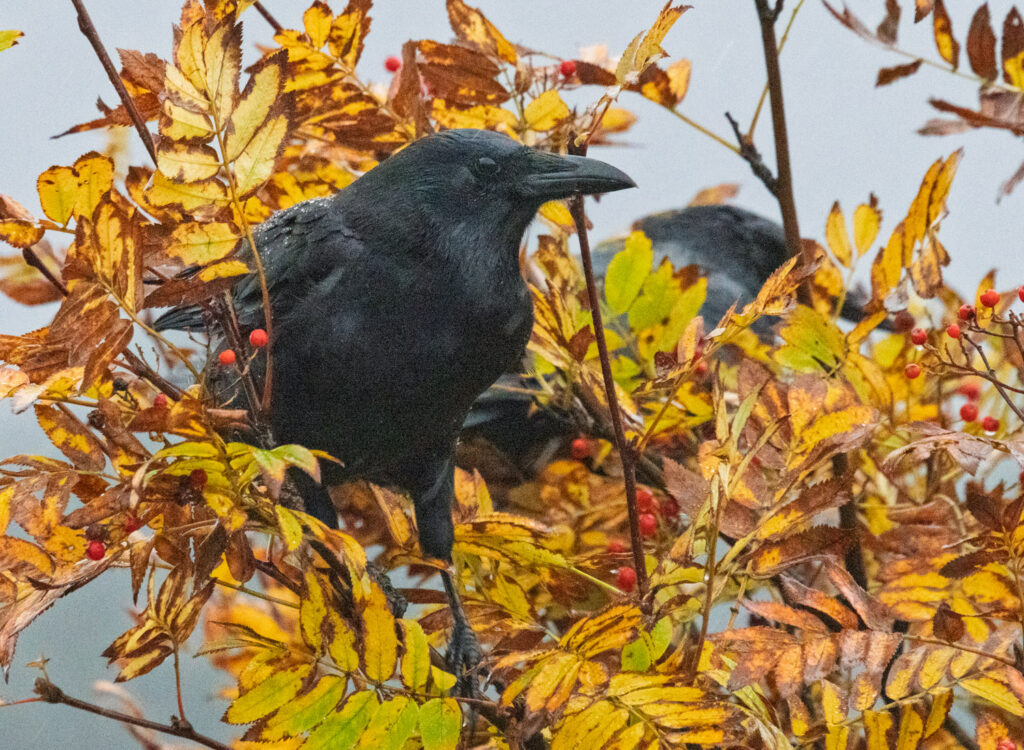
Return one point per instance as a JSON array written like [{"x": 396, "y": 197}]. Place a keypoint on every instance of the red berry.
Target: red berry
[
  {"x": 132, "y": 523},
  {"x": 969, "y": 390},
  {"x": 953, "y": 331},
  {"x": 670, "y": 507},
  {"x": 567, "y": 68},
  {"x": 1005, "y": 744},
  {"x": 615, "y": 547},
  {"x": 702, "y": 368},
  {"x": 96, "y": 550},
  {"x": 160, "y": 401},
  {"x": 648, "y": 524},
  {"x": 1020, "y": 293},
  {"x": 227, "y": 357},
  {"x": 258, "y": 338},
  {"x": 626, "y": 579},
  {"x": 581, "y": 449},
  {"x": 645, "y": 500},
  {"x": 990, "y": 298},
  {"x": 393, "y": 64},
  {"x": 966, "y": 312},
  {"x": 197, "y": 479},
  {"x": 969, "y": 412},
  {"x": 990, "y": 424},
  {"x": 912, "y": 370},
  {"x": 919, "y": 336}
]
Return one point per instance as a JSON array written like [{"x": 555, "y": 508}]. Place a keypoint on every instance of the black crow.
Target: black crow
[{"x": 395, "y": 303}]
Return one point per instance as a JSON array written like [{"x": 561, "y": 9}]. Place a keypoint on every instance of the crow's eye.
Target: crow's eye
[{"x": 486, "y": 167}]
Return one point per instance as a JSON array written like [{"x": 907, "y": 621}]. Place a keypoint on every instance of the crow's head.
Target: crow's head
[{"x": 482, "y": 182}]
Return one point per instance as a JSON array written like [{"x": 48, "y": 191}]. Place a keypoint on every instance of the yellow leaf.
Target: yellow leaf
[
  {"x": 866, "y": 222},
  {"x": 253, "y": 108},
  {"x": 199, "y": 244},
  {"x": 812, "y": 342},
  {"x": 998, "y": 692},
  {"x": 380, "y": 648},
  {"x": 223, "y": 270},
  {"x": 945, "y": 42},
  {"x": 440, "y": 724},
  {"x": 58, "y": 187},
  {"x": 304, "y": 712},
  {"x": 317, "y": 23},
  {"x": 185, "y": 162},
  {"x": 256, "y": 162},
  {"x": 392, "y": 724},
  {"x": 679, "y": 78},
  {"x": 627, "y": 272},
  {"x": 221, "y": 59},
  {"x": 545, "y": 111},
  {"x": 95, "y": 178},
  {"x": 312, "y": 610},
  {"x": 14, "y": 551},
  {"x": 348, "y": 33},
  {"x": 642, "y": 51},
  {"x": 617, "y": 120},
  {"x": 416, "y": 659},
  {"x": 291, "y": 527},
  {"x": 836, "y": 236},
  {"x": 471, "y": 25},
  {"x": 190, "y": 196},
  {"x": 71, "y": 438},
  {"x": 481, "y": 117},
  {"x": 557, "y": 213},
  {"x": 20, "y": 234},
  {"x": 876, "y": 725},
  {"x": 341, "y": 646},
  {"x": 276, "y": 690},
  {"x": 9, "y": 38}
]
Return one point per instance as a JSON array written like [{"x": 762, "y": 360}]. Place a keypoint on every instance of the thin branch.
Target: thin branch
[
  {"x": 278, "y": 28},
  {"x": 784, "y": 178},
  {"x": 764, "y": 92},
  {"x": 86, "y": 25},
  {"x": 29, "y": 254},
  {"x": 136, "y": 365},
  {"x": 625, "y": 450},
  {"x": 749, "y": 153},
  {"x": 53, "y": 694},
  {"x": 995, "y": 380}
]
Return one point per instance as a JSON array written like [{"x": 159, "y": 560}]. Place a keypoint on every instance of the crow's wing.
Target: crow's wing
[{"x": 298, "y": 246}]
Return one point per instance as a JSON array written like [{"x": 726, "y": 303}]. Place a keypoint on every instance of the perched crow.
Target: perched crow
[{"x": 398, "y": 301}]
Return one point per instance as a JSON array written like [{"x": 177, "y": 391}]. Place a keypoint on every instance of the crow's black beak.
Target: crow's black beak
[{"x": 551, "y": 177}]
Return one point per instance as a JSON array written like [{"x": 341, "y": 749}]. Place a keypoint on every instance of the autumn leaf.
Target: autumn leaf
[{"x": 9, "y": 38}]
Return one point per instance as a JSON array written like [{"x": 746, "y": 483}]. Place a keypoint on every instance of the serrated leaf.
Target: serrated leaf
[
  {"x": 189, "y": 195},
  {"x": 416, "y": 658},
  {"x": 95, "y": 179},
  {"x": 290, "y": 525},
  {"x": 627, "y": 272},
  {"x": 186, "y": 162},
  {"x": 71, "y": 438},
  {"x": 393, "y": 724},
  {"x": 440, "y": 724},
  {"x": 20, "y": 234},
  {"x": 199, "y": 244},
  {"x": 342, "y": 729},
  {"x": 307, "y": 710},
  {"x": 380, "y": 644},
  {"x": 256, "y": 162},
  {"x": 254, "y": 107},
  {"x": 472, "y": 26},
  {"x": 312, "y": 610},
  {"x": 317, "y": 23},
  {"x": 836, "y": 236},
  {"x": 269, "y": 695}
]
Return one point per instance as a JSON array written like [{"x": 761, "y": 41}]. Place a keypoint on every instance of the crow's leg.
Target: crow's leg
[{"x": 464, "y": 652}]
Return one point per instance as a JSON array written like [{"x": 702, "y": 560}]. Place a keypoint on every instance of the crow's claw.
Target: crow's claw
[{"x": 463, "y": 658}]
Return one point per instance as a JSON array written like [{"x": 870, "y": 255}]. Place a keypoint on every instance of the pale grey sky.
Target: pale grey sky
[{"x": 848, "y": 139}]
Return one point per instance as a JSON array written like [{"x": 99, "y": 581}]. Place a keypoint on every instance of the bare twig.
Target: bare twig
[
  {"x": 749, "y": 153},
  {"x": 625, "y": 450},
  {"x": 993, "y": 379},
  {"x": 269, "y": 18},
  {"x": 29, "y": 254},
  {"x": 784, "y": 179},
  {"x": 86, "y": 25},
  {"x": 53, "y": 694},
  {"x": 135, "y": 364}
]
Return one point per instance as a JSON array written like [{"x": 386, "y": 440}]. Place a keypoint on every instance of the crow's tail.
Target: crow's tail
[{"x": 181, "y": 318}]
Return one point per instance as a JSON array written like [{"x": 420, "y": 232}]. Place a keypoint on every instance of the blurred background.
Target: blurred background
[{"x": 848, "y": 139}]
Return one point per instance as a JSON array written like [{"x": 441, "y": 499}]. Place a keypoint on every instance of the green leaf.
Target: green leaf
[
  {"x": 657, "y": 298},
  {"x": 813, "y": 343},
  {"x": 416, "y": 659},
  {"x": 342, "y": 729},
  {"x": 392, "y": 725},
  {"x": 269, "y": 695},
  {"x": 627, "y": 271},
  {"x": 440, "y": 724}
]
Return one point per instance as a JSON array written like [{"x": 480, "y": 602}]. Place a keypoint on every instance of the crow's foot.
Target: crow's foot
[
  {"x": 396, "y": 602},
  {"x": 464, "y": 654}
]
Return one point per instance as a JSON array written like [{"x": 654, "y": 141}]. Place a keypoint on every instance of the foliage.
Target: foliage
[{"x": 766, "y": 625}]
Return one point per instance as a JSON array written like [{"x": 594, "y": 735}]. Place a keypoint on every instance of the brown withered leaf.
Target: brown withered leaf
[
  {"x": 997, "y": 109},
  {"x": 144, "y": 70},
  {"x": 981, "y": 45},
  {"x": 24, "y": 284},
  {"x": 945, "y": 42},
  {"x": 20, "y": 234},
  {"x": 888, "y": 30},
  {"x": 692, "y": 491},
  {"x": 850, "y": 21},
  {"x": 239, "y": 557},
  {"x": 927, "y": 437},
  {"x": 922, "y": 8},
  {"x": 888, "y": 75},
  {"x": 785, "y": 615},
  {"x": 459, "y": 75},
  {"x": 470, "y": 25},
  {"x": 717, "y": 195},
  {"x": 71, "y": 437},
  {"x": 348, "y": 33},
  {"x": 209, "y": 552},
  {"x": 872, "y": 611},
  {"x": 820, "y": 542},
  {"x": 798, "y": 593},
  {"x": 1012, "y": 47},
  {"x": 798, "y": 513},
  {"x": 986, "y": 507}
]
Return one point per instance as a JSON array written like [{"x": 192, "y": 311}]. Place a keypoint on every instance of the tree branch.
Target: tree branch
[
  {"x": 85, "y": 24},
  {"x": 50, "y": 693}
]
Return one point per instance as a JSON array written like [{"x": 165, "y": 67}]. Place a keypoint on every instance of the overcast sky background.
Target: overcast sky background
[{"x": 848, "y": 139}]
